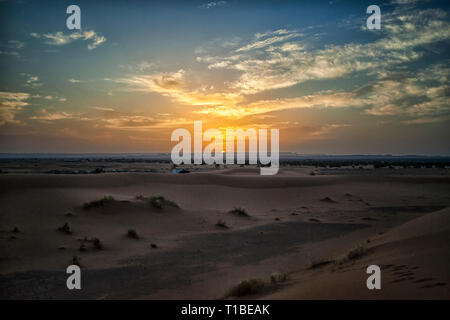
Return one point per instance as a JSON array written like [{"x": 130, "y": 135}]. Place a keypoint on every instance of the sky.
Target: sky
[{"x": 137, "y": 70}]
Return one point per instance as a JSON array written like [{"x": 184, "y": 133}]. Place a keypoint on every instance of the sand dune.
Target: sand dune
[
  {"x": 294, "y": 219},
  {"x": 239, "y": 177},
  {"x": 414, "y": 259}
]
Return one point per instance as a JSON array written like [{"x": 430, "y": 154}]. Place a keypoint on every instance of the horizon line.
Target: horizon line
[{"x": 293, "y": 153}]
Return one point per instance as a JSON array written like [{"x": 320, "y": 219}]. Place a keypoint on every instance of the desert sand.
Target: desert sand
[{"x": 299, "y": 226}]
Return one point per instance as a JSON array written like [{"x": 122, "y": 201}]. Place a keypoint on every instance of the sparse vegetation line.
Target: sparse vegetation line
[{"x": 98, "y": 203}]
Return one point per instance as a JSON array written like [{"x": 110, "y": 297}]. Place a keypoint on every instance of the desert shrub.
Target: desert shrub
[
  {"x": 222, "y": 224},
  {"x": 327, "y": 199},
  {"x": 240, "y": 212},
  {"x": 98, "y": 203},
  {"x": 153, "y": 245},
  {"x": 97, "y": 243},
  {"x": 356, "y": 253},
  {"x": 15, "y": 230},
  {"x": 257, "y": 285},
  {"x": 247, "y": 287},
  {"x": 76, "y": 261},
  {"x": 65, "y": 228},
  {"x": 319, "y": 263},
  {"x": 277, "y": 277},
  {"x": 132, "y": 234},
  {"x": 159, "y": 202}
]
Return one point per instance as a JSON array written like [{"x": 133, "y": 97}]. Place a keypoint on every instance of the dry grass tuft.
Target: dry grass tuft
[
  {"x": 222, "y": 224},
  {"x": 257, "y": 285},
  {"x": 356, "y": 253},
  {"x": 132, "y": 234},
  {"x": 98, "y": 203},
  {"x": 160, "y": 202},
  {"x": 65, "y": 228},
  {"x": 239, "y": 211},
  {"x": 76, "y": 261}
]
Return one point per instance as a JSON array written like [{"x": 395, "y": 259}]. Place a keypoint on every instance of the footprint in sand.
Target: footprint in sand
[
  {"x": 423, "y": 280},
  {"x": 402, "y": 273},
  {"x": 437, "y": 284},
  {"x": 369, "y": 219},
  {"x": 405, "y": 273}
]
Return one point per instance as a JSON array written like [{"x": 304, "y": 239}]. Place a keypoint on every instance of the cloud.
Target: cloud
[
  {"x": 283, "y": 58},
  {"x": 140, "y": 67},
  {"x": 278, "y": 32},
  {"x": 273, "y": 60},
  {"x": 275, "y": 37},
  {"x": 405, "y": 1},
  {"x": 13, "y": 102},
  {"x": 213, "y": 4},
  {"x": 175, "y": 86},
  {"x": 10, "y": 103},
  {"x": 427, "y": 120},
  {"x": 12, "y": 48},
  {"x": 16, "y": 44},
  {"x": 60, "y": 38},
  {"x": 327, "y": 128},
  {"x": 415, "y": 95},
  {"x": 9, "y": 53},
  {"x": 47, "y": 116},
  {"x": 386, "y": 110},
  {"x": 424, "y": 93},
  {"x": 98, "y": 40},
  {"x": 72, "y": 80},
  {"x": 50, "y": 98},
  {"x": 321, "y": 100},
  {"x": 103, "y": 109},
  {"x": 139, "y": 122},
  {"x": 15, "y": 99},
  {"x": 52, "y": 116},
  {"x": 32, "y": 80}
]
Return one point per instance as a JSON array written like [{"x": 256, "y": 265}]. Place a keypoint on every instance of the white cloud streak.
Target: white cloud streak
[
  {"x": 59, "y": 38},
  {"x": 213, "y": 4},
  {"x": 10, "y": 103}
]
